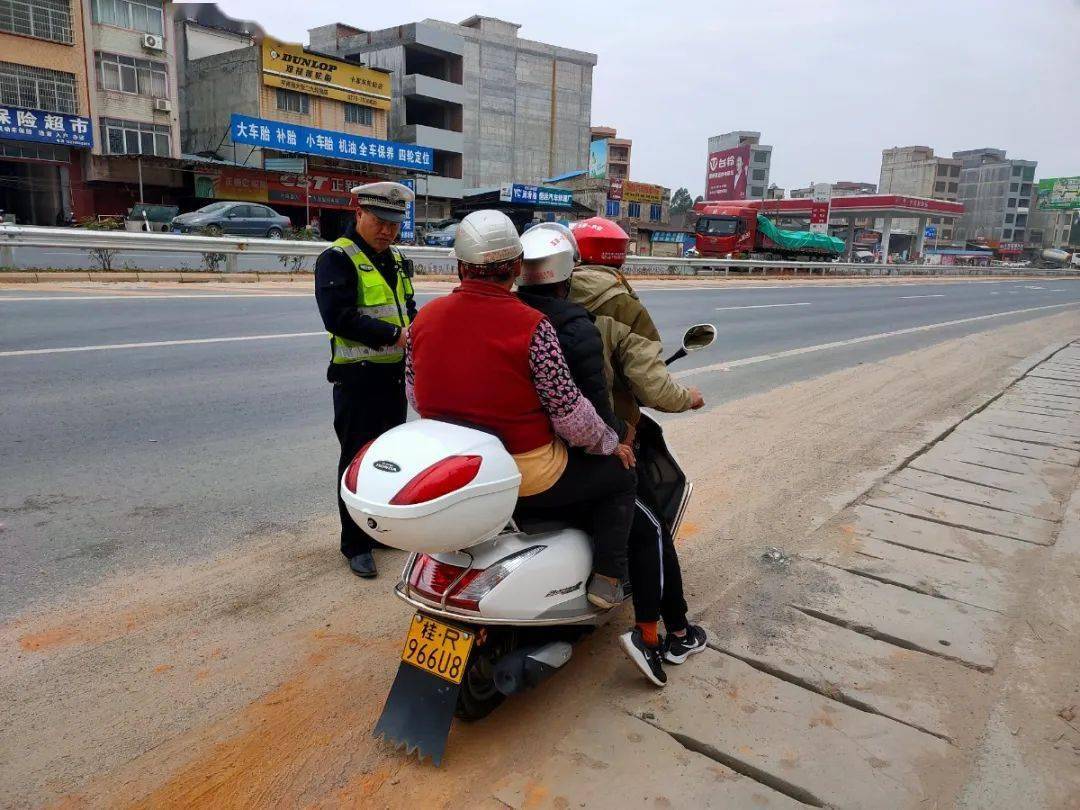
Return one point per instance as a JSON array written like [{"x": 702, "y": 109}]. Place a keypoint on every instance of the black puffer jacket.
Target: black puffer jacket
[{"x": 584, "y": 351}]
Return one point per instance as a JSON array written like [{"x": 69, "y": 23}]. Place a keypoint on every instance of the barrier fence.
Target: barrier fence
[{"x": 102, "y": 247}]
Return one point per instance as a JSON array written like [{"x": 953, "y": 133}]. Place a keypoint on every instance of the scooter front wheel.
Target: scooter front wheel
[{"x": 479, "y": 696}]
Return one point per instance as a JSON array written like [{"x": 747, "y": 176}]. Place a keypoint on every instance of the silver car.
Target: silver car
[{"x": 235, "y": 218}]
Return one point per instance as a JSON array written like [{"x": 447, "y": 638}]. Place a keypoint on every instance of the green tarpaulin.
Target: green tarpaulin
[{"x": 800, "y": 240}]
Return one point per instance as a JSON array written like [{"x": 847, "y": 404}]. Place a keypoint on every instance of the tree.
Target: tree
[{"x": 681, "y": 201}]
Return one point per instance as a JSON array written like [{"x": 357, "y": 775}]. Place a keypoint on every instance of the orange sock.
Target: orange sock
[{"x": 649, "y": 633}]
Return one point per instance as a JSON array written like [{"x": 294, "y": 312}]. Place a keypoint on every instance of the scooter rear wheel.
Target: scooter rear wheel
[{"x": 478, "y": 696}]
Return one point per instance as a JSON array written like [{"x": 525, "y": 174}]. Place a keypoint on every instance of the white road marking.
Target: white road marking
[
  {"x": 159, "y": 296},
  {"x": 155, "y": 343},
  {"x": 765, "y": 306},
  {"x": 934, "y": 295},
  {"x": 836, "y": 344},
  {"x": 150, "y": 296}
]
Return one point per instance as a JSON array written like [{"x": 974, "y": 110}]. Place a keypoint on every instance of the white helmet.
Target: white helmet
[
  {"x": 486, "y": 237},
  {"x": 550, "y": 254}
]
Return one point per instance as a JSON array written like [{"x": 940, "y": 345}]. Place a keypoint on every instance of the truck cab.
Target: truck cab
[{"x": 724, "y": 229}]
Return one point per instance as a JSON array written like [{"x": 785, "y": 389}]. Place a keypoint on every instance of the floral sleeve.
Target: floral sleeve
[
  {"x": 410, "y": 374},
  {"x": 571, "y": 414}
]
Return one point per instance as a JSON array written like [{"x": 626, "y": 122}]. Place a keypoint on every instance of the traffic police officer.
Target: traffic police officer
[{"x": 364, "y": 290}]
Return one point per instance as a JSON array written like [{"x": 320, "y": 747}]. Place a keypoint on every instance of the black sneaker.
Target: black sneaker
[
  {"x": 676, "y": 650},
  {"x": 645, "y": 658}
]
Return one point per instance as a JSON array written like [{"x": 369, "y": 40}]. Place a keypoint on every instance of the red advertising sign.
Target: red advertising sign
[
  {"x": 324, "y": 190},
  {"x": 615, "y": 189},
  {"x": 725, "y": 174},
  {"x": 819, "y": 213},
  {"x": 1010, "y": 248}
]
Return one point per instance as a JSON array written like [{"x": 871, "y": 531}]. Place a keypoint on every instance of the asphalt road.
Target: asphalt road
[{"x": 129, "y": 453}]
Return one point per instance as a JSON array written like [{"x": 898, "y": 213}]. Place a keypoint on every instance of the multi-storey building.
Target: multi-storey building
[
  {"x": 427, "y": 69},
  {"x": 288, "y": 125},
  {"x": 915, "y": 171},
  {"x": 613, "y": 152},
  {"x": 131, "y": 59},
  {"x": 997, "y": 194},
  {"x": 525, "y": 106},
  {"x": 44, "y": 111},
  {"x": 747, "y": 163}
]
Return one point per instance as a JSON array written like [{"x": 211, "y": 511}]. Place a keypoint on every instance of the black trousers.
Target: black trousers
[
  {"x": 654, "y": 572},
  {"x": 598, "y": 492},
  {"x": 365, "y": 406}
]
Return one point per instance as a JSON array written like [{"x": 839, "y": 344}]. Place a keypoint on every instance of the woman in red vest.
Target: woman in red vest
[{"x": 482, "y": 357}]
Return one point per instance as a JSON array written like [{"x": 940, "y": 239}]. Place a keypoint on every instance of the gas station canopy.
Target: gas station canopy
[{"x": 868, "y": 205}]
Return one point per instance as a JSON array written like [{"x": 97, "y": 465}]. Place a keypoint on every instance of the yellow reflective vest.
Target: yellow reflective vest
[{"x": 375, "y": 298}]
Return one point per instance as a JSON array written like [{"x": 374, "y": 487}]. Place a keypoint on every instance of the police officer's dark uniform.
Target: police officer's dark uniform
[{"x": 365, "y": 299}]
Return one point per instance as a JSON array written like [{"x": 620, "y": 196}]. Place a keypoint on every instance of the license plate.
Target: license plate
[{"x": 438, "y": 648}]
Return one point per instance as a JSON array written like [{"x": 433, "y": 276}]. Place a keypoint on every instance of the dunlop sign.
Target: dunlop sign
[{"x": 292, "y": 68}]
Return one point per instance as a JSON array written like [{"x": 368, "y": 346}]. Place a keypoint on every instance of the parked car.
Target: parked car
[
  {"x": 236, "y": 218},
  {"x": 863, "y": 257},
  {"x": 150, "y": 218},
  {"x": 442, "y": 237}
]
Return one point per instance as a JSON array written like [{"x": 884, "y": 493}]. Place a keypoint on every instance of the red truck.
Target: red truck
[{"x": 738, "y": 229}]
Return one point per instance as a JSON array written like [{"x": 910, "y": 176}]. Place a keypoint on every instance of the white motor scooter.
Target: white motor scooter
[{"x": 499, "y": 601}]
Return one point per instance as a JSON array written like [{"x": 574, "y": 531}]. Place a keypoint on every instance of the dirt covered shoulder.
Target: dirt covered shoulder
[{"x": 256, "y": 678}]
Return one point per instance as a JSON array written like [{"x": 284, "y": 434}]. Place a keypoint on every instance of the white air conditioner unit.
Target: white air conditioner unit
[
  {"x": 153, "y": 42},
  {"x": 162, "y": 105}
]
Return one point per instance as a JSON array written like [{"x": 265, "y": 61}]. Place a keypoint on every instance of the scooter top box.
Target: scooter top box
[{"x": 431, "y": 486}]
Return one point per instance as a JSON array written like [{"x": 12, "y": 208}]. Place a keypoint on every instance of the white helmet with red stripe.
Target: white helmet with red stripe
[{"x": 550, "y": 254}]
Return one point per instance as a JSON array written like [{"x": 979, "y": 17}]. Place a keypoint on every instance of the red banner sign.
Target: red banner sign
[
  {"x": 323, "y": 189},
  {"x": 615, "y": 189},
  {"x": 725, "y": 174}
]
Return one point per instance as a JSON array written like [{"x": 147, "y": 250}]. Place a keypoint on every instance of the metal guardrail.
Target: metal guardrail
[{"x": 440, "y": 261}]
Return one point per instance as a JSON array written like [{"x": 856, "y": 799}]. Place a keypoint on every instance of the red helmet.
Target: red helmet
[{"x": 600, "y": 241}]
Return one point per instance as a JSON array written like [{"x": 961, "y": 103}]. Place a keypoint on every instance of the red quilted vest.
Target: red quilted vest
[{"x": 470, "y": 359}]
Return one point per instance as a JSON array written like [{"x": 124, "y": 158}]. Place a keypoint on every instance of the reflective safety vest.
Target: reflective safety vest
[{"x": 375, "y": 298}]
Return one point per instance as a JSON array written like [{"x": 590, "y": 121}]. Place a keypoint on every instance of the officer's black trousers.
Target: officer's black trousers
[{"x": 365, "y": 406}]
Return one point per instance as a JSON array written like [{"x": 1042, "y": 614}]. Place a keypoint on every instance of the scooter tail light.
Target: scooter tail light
[
  {"x": 352, "y": 472},
  {"x": 470, "y": 594},
  {"x": 431, "y": 578},
  {"x": 441, "y": 478}
]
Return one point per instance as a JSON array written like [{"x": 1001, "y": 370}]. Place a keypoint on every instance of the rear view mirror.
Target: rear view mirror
[{"x": 699, "y": 336}]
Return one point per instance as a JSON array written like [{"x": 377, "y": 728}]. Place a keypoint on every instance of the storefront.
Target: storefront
[
  {"x": 663, "y": 243},
  {"x": 524, "y": 203},
  {"x": 41, "y": 177}
]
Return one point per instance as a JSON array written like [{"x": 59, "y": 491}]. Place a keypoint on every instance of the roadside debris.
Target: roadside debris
[{"x": 775, "y": 556}]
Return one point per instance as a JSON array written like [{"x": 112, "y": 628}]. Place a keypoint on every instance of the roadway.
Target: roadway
[{"x": 155, "y": 426}]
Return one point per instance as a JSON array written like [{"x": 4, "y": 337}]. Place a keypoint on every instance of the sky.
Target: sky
[{"x": 829, "y": 83}]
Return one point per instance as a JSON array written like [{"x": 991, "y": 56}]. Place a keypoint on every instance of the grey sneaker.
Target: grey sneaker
[{"x": 605, "y": 592}]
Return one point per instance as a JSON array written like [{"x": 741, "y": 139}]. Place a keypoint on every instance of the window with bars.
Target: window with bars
[
  {"x": 138, "y": 15},
  {"x": 127, "y": 74},
  {"x": 134, "y": 138},
  {"x": 37, "y": 88},
  {"x": 358, "y": 114},
  {"x": 655, "y": 212},
  {"x": 612, "y": 208},
  {"x": 291, "y": 101},
  {"x": 44, "y": 19},
  {"x": 633, "y": 210}
]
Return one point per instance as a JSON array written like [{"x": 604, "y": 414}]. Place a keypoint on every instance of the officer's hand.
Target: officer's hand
[
  {"x": 696, "y": 400},
  {"x": 625, "y": 455},
  {"x": 400, "y": 342}
]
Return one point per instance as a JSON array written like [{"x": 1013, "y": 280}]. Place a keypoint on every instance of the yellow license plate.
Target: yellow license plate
[{"x": 438, "y": 648}]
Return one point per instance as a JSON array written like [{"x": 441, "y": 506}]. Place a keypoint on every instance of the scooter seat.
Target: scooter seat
[{"x": 540, "y": 525}]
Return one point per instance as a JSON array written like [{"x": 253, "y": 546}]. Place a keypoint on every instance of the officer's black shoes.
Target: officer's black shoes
[{"x": 363, "y": 565}]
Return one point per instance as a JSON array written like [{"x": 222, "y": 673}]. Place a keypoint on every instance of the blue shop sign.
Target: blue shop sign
[
  {"x": 542, "y": 197},
  {"x": 327, "y": 143},
  {"x": 408, "y": 223},
  {"x": 21, "y": 124},
  {"x": 668, "y": 236}
]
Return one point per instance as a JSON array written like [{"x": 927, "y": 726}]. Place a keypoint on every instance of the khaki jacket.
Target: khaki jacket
[{"x": 633, "y": 353}]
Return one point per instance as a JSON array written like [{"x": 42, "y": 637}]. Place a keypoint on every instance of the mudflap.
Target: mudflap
[{"x": 418, "y": 712}]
